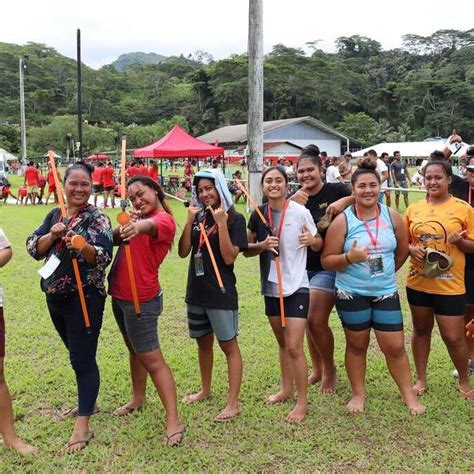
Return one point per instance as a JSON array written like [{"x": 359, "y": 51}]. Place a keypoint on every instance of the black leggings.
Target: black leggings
[{"x": 66, "y": 314}]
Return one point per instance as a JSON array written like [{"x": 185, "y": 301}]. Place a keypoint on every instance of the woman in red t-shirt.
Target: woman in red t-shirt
[
  {"x": 153, "y": 170},
  {"x": 150, "y": 234}
]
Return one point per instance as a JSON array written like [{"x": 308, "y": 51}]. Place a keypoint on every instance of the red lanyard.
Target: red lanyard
[
  {"x": 270, "y": 219},
  {"x": 211, "y": 231},
  {"x": 373, "y": 239}
]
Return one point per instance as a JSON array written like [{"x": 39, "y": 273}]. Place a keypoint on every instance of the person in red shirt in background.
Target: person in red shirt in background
[
  {"x": 132, "y": 169},
  {"x": 41, "y": 185},
  {"x": 188, "y": 174},
  {"x": 31, "y": 182},
  {"x": 7, "y": 192},
  {"x": 142, "y": 169},
  {"x": 22, "y": 195},
  {"x": 108, "y": 181},
  {"x": 153, "y": 170},
  {"x": 52, "y": 185},
  {"x": 150, "y": 235},
  {"x": 97, "y": 186}
]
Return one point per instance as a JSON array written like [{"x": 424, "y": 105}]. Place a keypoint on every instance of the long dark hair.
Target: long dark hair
[{"x": 151, "y": 183}]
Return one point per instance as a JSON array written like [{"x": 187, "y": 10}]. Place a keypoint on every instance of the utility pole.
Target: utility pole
[
  {"x": 255, "y": 105},
  {"x": 79, "y": 94},
  {"x": 22, "y": 67}
]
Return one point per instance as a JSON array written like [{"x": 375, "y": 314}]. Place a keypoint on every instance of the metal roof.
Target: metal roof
[{"x": 238, "y": 133}]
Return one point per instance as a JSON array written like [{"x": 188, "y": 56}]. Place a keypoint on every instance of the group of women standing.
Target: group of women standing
[{"x": 306, "y": 264}]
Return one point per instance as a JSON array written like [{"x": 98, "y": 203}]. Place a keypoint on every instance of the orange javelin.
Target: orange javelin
[
  {"x": 213, "y": 260},
  {"x": 75, "y": 266},
  {"x": 277, "y": 257},
  {"x": 124, "y": 218}
]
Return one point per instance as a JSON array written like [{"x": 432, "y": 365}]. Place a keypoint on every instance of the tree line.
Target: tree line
[{"x": 422, "y": 89}]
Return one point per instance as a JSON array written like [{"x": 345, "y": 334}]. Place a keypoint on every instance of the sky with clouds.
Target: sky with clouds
[{"x": 110, "y": 28}]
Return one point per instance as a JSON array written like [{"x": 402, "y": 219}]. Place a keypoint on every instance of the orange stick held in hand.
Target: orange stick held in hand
[
  {"x": 213, "y": 260},
  {"x": 124, "y": 218},
  {"x": 75, "y": 266},
  {"x": 277, "y": 258}
]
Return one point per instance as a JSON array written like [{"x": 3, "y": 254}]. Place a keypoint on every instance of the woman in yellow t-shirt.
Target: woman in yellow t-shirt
[{"x": 445, "y": 224}]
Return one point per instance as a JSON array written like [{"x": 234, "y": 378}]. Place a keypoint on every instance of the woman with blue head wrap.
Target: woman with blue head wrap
[{"x": 213, "y": 307}]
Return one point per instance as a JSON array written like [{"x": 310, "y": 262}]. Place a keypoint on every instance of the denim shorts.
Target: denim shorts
[
  {"x": 323, "y": 280},
  {"x": 224, "y": 323},
  {"x": 142, "y": 331}
]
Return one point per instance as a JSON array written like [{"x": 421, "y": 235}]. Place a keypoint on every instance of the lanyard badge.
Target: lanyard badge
[
  {"x": 198, "y": 260},
  {"x": 375, "y": 260}
]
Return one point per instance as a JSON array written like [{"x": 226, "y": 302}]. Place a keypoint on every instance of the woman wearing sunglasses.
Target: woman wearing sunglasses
[
  {"x": 440, "y": 230},
  {"x": 366, "y": 245}
]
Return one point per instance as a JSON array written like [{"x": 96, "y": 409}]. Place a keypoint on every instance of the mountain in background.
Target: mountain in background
[{"x": 125, "y": 60}]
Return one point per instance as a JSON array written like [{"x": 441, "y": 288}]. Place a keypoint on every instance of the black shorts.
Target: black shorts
[
  {"x": 443, "y": 305},
  {"x": 97, "y": 188},
  {"x": 109, "y": 188},
  {"x": 296, "y": 305},
  {"x": 469, "y": 283}
]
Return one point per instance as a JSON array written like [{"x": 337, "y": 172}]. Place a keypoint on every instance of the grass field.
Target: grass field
[{"x": 385, "y": 438}]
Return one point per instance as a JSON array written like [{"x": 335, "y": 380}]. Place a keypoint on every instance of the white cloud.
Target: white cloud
[{"x": 110, "y": 28}]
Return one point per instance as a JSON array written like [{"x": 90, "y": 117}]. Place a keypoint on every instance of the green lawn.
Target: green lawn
[{"x": 385, "y": 438}]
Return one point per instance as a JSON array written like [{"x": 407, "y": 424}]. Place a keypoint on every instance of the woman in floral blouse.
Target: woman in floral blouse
[{"x": 52, "y": 240}]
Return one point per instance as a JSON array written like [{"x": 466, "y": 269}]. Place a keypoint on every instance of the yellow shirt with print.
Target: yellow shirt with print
[{"x": 429, "y": 225}]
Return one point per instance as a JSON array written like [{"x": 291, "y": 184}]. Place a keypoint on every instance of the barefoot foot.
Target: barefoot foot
[
  {"x": 328, "y": 382},
  {"x": 314, "y": 377},
  {"x": 196, "y": 397},
  {"x": 229, "y": 412},
  {"x": 126, "y": 409},
  {"x": 356, "y": 404},
  {"x": 414, "y": 406},
  {"x": 20, "y": 447},
  {"x": 279, "y": 397},
  {"x": 298, "y": 414}
]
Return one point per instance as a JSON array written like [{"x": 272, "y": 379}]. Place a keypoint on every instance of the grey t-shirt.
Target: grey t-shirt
[{"x": 399, "y": 170}]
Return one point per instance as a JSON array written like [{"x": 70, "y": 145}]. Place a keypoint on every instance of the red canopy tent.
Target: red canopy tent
[
  {"x": 177, "y": 143},
  {"x": 98, "y": 157}
]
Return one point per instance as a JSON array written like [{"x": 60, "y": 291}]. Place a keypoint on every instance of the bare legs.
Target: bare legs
[
  {"x": 452, "y": 333},
  {"x": 234, "y": 371},
  {"x": 138, "y": 375},
  {"x": 153, "y": 363},
  {"x": 10, "y": 438},
  {"x": 293, "y": 366},
  {"x": 391, "y": 344},
  {"x": 321, "y": 340},
  {"x": 469, "y": 316}
]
